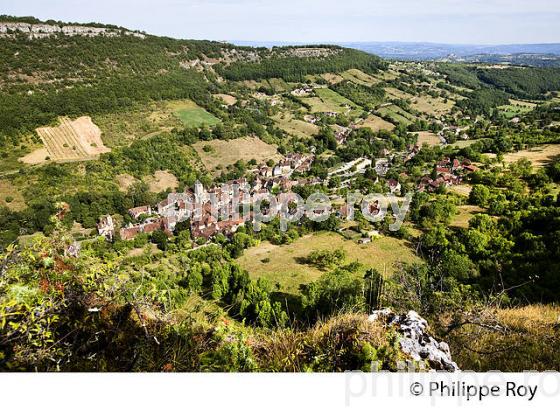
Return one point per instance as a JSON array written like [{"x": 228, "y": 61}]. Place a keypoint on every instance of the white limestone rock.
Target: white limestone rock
[{"x": 415, "y": 341}]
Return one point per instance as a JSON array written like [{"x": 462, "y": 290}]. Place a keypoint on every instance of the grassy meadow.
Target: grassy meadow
[
  {"x": 192, "y": 115},
  {"x": 286, "y": 265},
  {"x": 220, "y": 153}
]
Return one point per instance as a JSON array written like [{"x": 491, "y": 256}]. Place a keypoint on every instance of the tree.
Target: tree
[
  {"x": 324, "y": 259},
  {"x": 458, "y": 266},
  {"x": 334, "y": 291},
  {"x": 160, "y": 239},
  {"x": 479, "y": 195}
]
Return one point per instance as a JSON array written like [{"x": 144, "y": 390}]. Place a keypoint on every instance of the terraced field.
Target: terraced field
[
  {"x": 396, "y": 114},
  {"x": 359, "y": 77},
  {"x": 329, "y": 100},
  {"x": 73, "y": 140},
  {"x": 516, "y": 108}
]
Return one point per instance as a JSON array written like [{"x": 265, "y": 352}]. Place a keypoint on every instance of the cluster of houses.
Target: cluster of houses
[
  {"x": 302, "y": 91},
  {"x": 291, "y": 163},
  {"x": 314, "y": 118},
  {"x": 180, "y": 207},
  {"x": 448, "y": 172},
  {"x": 341, "y": 135},
  {"x": 202, "y": 203}
]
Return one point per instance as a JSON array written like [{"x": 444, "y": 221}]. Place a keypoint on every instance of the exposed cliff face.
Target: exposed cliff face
[
  {"x": 9, "y": 29},
  {"x": 415, "y": 341}
]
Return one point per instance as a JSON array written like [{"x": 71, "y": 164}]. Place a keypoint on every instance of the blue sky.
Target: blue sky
[{"x": 443, "y": 21}]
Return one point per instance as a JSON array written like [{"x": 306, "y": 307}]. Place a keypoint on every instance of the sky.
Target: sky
[{"x": 316, "y": 21}]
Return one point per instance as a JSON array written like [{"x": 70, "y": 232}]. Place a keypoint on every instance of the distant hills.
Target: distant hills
[
  {"x": 428, "y": 51},
  {"x": 524, "y": 54}
]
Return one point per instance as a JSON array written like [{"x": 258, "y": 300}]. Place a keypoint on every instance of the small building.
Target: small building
[
  {"x": 130, "y": 233},
  {"x": 106, "y": 227},
  {"x": 470, "y": 168},
  {"x": 140, "y": 210},
  {"x": 394, "y": 185}
]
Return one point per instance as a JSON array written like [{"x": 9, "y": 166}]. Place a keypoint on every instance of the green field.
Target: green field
[
  {"x": 279, "y": 85},
  {"x": 10, "y": 155},
  {"x": 463, "y": 143},
  {"x": 283, "y": 264},
  {"x": 397, "y": 114},
  {"x": 359, "y": 77},
  {"x": 329, "y": 100},
  {"x": 516, "y": 108},
  {"x": 192, "y": 115}
]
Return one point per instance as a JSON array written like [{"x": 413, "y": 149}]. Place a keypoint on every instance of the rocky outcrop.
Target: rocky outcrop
[
  {"x": 9, "y": 29},
  {"x": 415, "y": 341}
]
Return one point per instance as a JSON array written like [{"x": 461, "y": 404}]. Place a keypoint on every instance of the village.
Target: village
[{"x": 198, "y": 204}]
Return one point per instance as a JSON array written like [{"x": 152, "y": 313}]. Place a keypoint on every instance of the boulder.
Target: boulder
[{"x": 415, "y": 341}]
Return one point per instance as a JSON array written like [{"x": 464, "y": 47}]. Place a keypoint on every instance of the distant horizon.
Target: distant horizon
[
  {"x": 335, "y": 42},
  {"x": 460, "y": 22}
]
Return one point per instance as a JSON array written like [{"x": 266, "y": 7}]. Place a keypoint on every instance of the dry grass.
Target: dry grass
[
  {"x": 226, "y": 98},
  {"x": 73, "y": 140},
  {"x": 331, "y": 345},
  {"x": 10, "y": 196},
  {"x": 376, "y": 123},
  {"x": 466, "y": 212},
  {"x": 226, "y": 153},
  {"x": 426, "y": 137},
  {"x": 283, "y": 264},
  {"x": 36, "y": 157},
  {"x": 125, "y": 181},
  {"x": 432, "y": 106},
  {"x": 387, "y": 75},
  {"x": 149, "y": 249},
  {"x": 123, "y": 127},
  {"x": 396, "y": 93},
  {"x": 359, "y": 77},
  {"x": 252, "y": 84},
  {"x": 528, "y": 338},
  {"x": 332, "y": 78},
  {"x": 295, "y": 127},
  {"x": 162, "y": 181},
  {"x": 463, "y": 189},
  {"x": 540, "y": 156},
  {"x": 329, "y": 100}
]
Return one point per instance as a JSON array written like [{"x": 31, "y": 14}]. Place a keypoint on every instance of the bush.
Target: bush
[{"x": 326, "y": 259}]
